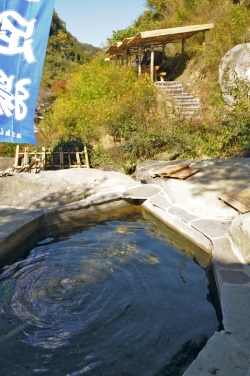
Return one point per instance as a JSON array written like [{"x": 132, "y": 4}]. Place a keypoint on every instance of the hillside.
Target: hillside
[
  {"x": 64, "y": 53},
  {"x": 97, "y": 101}
]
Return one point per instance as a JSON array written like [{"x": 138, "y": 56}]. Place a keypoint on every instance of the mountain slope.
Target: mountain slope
[{"x": 64, "y": 52}]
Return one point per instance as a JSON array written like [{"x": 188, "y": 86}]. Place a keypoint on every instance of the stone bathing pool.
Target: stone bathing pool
[{"x": 110, "y": 297}]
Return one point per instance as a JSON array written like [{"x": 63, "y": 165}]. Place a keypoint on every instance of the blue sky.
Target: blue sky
[{"x": 92, "y": 21}]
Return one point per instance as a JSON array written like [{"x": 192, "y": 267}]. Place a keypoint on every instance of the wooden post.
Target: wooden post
[
  {"x": 78, "y": 161},
  {"x": 61, "y": 158},
  {"x": 52, "y": 160},
  {"x": 43, "y": 158},
  {"x": 139, "y": 62},
  {"x": 26, "y": 156},
  {"x": 69, "y": 159},
  {"x": 163, "y": 53},
  {"x": 86, "y": 156},
  {"x": 17, "y": 156},
  {"x": 152, "y": 71}
]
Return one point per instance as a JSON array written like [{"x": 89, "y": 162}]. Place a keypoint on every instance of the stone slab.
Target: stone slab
[
  {"x": 235, "y": 277},
  {"x": 160, "y": 201},
  {"x": 236, "y": 317},
  {"x": 212, "y": 228},
  {"x": 223, "y": 255},
  {"x": 221, "y": 356},
  {"x": 142, "y": 192},
  {"x": 182, "y": 214}
]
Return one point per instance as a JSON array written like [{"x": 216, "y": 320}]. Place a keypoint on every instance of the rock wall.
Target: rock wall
[{"x": 240, "y": 234}]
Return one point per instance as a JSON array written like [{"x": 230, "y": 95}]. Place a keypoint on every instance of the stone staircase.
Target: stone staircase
[{"x": 183, "y": 102}]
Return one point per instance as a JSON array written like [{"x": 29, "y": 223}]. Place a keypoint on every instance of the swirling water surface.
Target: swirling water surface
[{"x": 113, "y": 299}]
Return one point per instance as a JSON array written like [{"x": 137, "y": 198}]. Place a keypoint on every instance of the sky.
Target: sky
[{"x": 93, "y": 21}]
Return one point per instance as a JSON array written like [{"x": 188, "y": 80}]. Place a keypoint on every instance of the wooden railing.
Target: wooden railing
[{"x": 49, "y": 160}]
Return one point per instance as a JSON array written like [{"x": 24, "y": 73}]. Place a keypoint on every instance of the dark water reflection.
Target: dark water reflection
[{"x": 113, "y": 299}]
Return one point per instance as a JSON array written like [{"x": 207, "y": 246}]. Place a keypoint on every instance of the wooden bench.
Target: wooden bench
[{"x": 159, "y": 75}]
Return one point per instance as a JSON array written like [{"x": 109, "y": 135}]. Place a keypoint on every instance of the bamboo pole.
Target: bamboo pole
[{"x": 152, "y": 71}]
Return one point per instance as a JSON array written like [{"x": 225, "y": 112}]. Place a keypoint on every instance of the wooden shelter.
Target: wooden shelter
[{"x": 155, "y": 39}]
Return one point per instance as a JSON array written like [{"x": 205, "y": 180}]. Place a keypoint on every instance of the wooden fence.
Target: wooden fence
[{"x": 49, "y": 160}]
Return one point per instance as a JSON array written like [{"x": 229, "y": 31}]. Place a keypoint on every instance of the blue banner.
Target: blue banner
[{"x": 24, "y": 31}]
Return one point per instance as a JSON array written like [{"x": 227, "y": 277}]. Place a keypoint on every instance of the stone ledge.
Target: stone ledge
[
  {"x": 184, "y": 229},
  {"x": 211, "y": 227},
  {"x": 160, "y": 201}
]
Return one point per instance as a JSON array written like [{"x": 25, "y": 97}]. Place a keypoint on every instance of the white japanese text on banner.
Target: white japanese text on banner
[{"x": 24, "y": 31}]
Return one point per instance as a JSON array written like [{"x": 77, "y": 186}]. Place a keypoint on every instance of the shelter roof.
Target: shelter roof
[
  {"x": 112, "y": 50},
  {"x": 161, "y": 36}
]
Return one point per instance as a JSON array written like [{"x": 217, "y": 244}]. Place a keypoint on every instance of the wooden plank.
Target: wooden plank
[
  {"x": 244, "y": 193},
  {"x": 231, "y": 201},
  {"x": 184, "y": 174},
  {"x": 169, "y": 170},
  {"x": 238, "y": 196}
]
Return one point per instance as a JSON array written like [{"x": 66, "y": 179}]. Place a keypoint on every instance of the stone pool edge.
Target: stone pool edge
[{"x": 227, "y": 352}]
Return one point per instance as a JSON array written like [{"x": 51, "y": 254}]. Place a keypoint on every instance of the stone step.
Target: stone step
[
  {"x": 174, "y": 91},
  {"x": 186, "y": 99},
  {"x": 183, "y": 102},
  {"x": 183, "y": 96},
  {"x": 187, "y": 112},
  {"x": 187, "y": 105},
  {"x": 168, "y": 83}
]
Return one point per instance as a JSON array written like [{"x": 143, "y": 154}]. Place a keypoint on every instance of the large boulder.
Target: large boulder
[
  {"x": 240, "y": 235},
  {"x": 6, "y": 163},
  {"x": 234, "y": 73}
]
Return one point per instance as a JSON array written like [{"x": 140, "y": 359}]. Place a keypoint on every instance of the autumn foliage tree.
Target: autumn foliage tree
[{"x": 101, "y": 98}]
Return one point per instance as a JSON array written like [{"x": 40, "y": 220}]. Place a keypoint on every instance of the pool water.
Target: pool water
[{"x": 114, "y": 298}]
